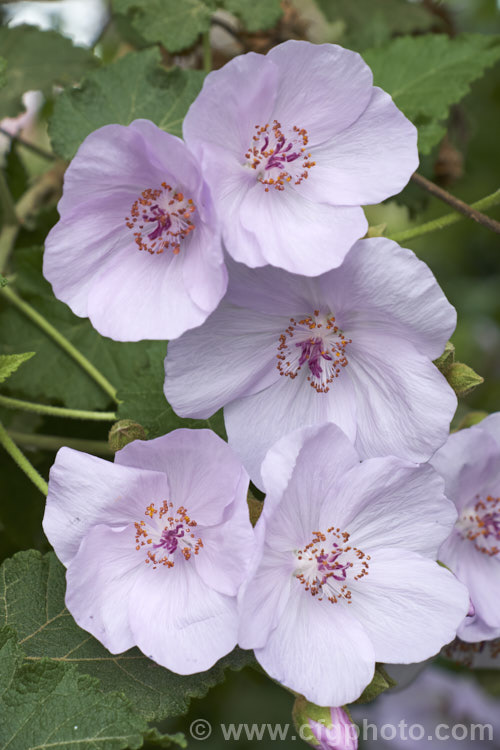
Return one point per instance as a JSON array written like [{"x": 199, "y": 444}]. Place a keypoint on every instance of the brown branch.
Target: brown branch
[
  {"x": 456, "y": 203},
  {"x": 31, "y": 146},
  {"x": 231, "y": 31}
]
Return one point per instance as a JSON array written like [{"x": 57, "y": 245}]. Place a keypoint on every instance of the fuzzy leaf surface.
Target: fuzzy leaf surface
[
  {"x": 48, "y": 704},
  {"x": 425, "y": 75},
  {"x": 133, "y": 87},
  {"x": 257, "y": 15},
  {"x": 35, "y": 60},
  {"x": 9, "y": 363},
  {"x": 367, "y": 23},
  {"x": 53, "y": 375},
  {"x": 32, "y": 590},
  {"x": 175, "y": 24},
  {"x": 143, "y": 401}
]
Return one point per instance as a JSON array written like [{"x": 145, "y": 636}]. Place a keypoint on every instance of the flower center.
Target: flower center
[
  {"x": 279, "y": 156},
  {"x": 327, "y": 565},
  {"x": 314, "y": 341},
  {"x": 166, "y": 535},
  {"x": 481, "y": 524},
  {"x": 161, "y": 219}
]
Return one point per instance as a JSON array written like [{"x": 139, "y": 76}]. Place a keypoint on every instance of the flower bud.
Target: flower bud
[
  {"x": 463, "y": 379},
  {"x": 323, "y": 727},
  {"x": 445, "y": 361},
  {"x": 123, "y": 432}
]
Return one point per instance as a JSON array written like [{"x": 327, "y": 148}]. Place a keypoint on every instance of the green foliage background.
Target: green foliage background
[{"x": 447, "y": 86}]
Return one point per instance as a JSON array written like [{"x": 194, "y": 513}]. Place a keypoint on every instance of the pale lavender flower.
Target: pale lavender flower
[
  {"x": 323, "y": 727},
  {"x": 345, "y": 573},
  {"x": 439, "y": 709},
  {"x": 137, "y": 248},
  {"x": 353, "y": 346},
  {"x": 338, "y": 734},
  {"x": 156, "y": 545},
  {"x": 293, "y": 143},
  {"x": 470, "y": 464}
]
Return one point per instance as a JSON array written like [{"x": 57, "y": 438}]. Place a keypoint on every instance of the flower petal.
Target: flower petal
[
  {"x": 404, "y": 404},
  {"x": 389, "y": 502},
  {"x": 469, "y": 463},
  {"x": 272, "y": 291},
  {"x": 282, "y": 408},
  {"x": 318, "y": 650},
  {"x": 322, "y": 87},
  {"x": 264, "y": 597},
  {"x": 294, "y": 455},
  {"x": 409, "y": 605},
  {"x": 382, "y": 288},
  {"x": 204, "y": 474},
  {"x": 324, "y": 457},
  {"x": 100, "y": 580},
  {"x": 179, "y": 621},
  {"x": 237, "y": 353},
  {"x": 491, "y": 424},
  {"x": 232, "y": 102},
  {"x": 368, "y": 161},
  {"x": 76, "y": 249},
  {"x": 145, "y": 296},
  {"x": 297, "y": 234},
  {"x": 85, "y": 490},
  {"x": 113, "y": 157},
  {"x": 228, "y": 548},
  {"x": 481, "y": 574}
]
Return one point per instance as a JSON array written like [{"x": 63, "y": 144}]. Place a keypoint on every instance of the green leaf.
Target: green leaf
[
  {"x": 10, "y": 362},
  {"x": 144, "y": 402},
  {"x": 380, "y": 683},
  {"x": 368, "y": 23},
  {"x": 48, "y": 704},
  {"x": 175, "y": 24},
  {"x": 32, "y": 590},
  {"x": 256, "y": 15},
  {"x": 134, "y": 87},
  {"x": 53, "y": 375},
  {"x": 3, "y": 281},
  {"x": 38, "y": 60},
  {"x": 425, "y": 75}
]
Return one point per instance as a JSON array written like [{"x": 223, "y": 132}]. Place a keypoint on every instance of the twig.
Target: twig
[
  {"x": 456, "y": 203},
  {"x": 445, "y": 221},
  {"x": 31, "y": 146},
  {"x": 7, "y": 442},
  {"x": 53, "y": 443},
  {"x": 230, "y": 30},
  {"x": 61, "y": 340},
  {"x": 207, "y": 52},
  {"x": 46, "y": 189},
  {"x": 57, "y": 411}
]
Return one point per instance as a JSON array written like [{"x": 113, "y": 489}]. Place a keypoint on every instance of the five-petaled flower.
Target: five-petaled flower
[
  {"x": 353, "y": 346},
  {"x": 137, "y": 248},
  {"x": 345, "y": 572},
  {"x": 292, "y": 144},
  {"x": 156, "y": 545},
  {"x": 470, "y": 463}
]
